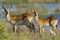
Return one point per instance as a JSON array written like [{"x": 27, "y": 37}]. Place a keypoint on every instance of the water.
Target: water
[
  {"x": 58, "y": 17},
  {"x": 50, "y": 6}
]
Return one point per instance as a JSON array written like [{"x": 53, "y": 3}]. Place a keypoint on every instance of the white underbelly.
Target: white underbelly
[{"x": 30, "y": 19}]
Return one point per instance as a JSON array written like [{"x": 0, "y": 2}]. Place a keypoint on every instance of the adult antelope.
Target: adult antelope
[
  {"x": 13, "y": 19},
  {"x": 50, "y": 21}
]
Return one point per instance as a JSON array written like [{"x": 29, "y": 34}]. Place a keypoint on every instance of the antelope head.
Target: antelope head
[
  {"x": 35, "y": 14},
  {"x": 7, "y": 10}
]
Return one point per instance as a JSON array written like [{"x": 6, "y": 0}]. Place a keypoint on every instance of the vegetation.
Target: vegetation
[
  {"x": 42, "y": 11},
  {"x": 7, "y": 34},
  {"x": 28, "y": 1},
  {"x": 58, "y": 10},
  {"x": 6, "y": 30}
]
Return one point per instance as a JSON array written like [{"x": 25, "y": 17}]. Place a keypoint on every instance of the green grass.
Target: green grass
[{"x": 6, "y": 34}]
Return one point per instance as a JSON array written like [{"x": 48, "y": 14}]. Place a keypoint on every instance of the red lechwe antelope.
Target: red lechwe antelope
[
  {"x": 26, "y": 18},
  {"x": 50, "y": 21}
]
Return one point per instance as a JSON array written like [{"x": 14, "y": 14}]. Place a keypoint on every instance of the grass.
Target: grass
[{"x": 6, "y": 34}]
